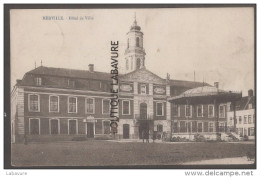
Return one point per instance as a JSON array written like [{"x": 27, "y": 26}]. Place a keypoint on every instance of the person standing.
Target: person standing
[
  {"x": 147, "y": 136},
  {"x": 143, "y": 135}
]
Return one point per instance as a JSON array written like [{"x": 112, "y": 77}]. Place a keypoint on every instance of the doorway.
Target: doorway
[
  {"x": 90, "y": 130},
  {"x": 125, "y": 131},
  {"x": 143, "y": 127}
]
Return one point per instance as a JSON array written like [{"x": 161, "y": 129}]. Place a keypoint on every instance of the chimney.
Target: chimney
[
  {"x": 216, "y": 84},
  {"x": 18, "y": 81},
  {"x": 250, "y": 93},
  {"x": 91, "y": 67}
]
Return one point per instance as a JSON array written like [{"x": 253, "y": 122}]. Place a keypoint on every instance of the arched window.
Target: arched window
[
  {"x": 127, "y": 64},
  {"x": 137, "y": 42}
]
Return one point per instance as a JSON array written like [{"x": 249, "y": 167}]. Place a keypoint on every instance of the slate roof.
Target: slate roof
[
  {"x": 70, "y": 73},
  {"x": 206, "y": 92},
  {"x": 95, "y": 75}
]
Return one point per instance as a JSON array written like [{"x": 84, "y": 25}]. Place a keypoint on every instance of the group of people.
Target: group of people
[{"x": 146, "y": 135}]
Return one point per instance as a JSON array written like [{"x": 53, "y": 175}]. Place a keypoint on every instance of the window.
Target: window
[
  {"x": 250, "y": 106},
  {"x": 222, "y": 110},
  {"x": 160, "y": 128},
  {"x": 143, "y": 89},
  {"x": 38, "y": 81},
  {"x": 176, "y": 110},
  {"x": 222, "y": 127},
  {"x": 127, "y": 64},
  {"x": 73, "y": 127},
  {"x": 245, "y": 119},
  {"x": 211, "y": 110},
  {"x": 54, "y": 126},
  {"x": 126, "y": 107},
  {"x": 200, "y": 111},
  {"x": 245, "y": 132},
  {"x": 206, "y": 127},
  {"x": 34, "y": 125},
  {"x": 106, "y": 126},
  {"x": 240, "y": 120},
  {"x": 200, "y": 127},
  {"x": 137, "y": 42},
  {"x": 211, "y": 127},
  {"x": 188, "y": 110},
  {"x": 90, "y": 105},
  {"x": 54, "y": 104},
  {"x": 128, "y": 43},
  {"x": 249, "y": 119},
  {"x": 183, "y": 127},
  {"x": 72, "y": 105},
  {"x": 251, "y": 131},
  {"x": 159, "y": 109},
  {"x": 34, "y": 103},
  {"x": 105, "y": 106},
  {"x": 71, "y": 83}
]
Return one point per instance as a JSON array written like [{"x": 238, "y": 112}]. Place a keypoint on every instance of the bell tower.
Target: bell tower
[{"x": 134, "y": 53}]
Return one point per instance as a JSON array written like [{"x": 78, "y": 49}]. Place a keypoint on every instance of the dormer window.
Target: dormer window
[
  {"x": 71, "y": 83},
  {"x": 38, "y": 81},
  {"x": 250, "y": 106}
]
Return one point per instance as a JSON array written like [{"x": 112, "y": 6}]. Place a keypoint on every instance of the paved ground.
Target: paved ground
[{"x": 107, "y": 153}]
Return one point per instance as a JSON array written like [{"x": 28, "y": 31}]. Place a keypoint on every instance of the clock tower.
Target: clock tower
[{"x": 134, "y": 53}]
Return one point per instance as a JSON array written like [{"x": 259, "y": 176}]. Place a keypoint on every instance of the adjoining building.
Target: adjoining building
[
  {"x": 203, "y": 111},
  {"x": 245, "y": 117},
  {"x": 63, "y": 103}
]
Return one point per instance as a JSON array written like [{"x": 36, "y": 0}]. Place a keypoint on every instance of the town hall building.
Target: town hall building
[{"x": 66, "y": 103}]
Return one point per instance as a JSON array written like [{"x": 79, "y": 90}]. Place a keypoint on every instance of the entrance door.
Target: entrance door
[
  {"x": 125, "y": 131},
  {"x": 90, "y": 130},
  {"x": 34, "y": 127},
  {"x": 72, "y": 127},
  {"x": 143, "y": 128}
]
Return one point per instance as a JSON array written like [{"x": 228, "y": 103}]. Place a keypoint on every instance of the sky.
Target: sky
[{"x": 215, "y": 43}]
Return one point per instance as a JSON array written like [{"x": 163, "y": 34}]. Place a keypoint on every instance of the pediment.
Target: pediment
[{"x": 142, "y": 75}]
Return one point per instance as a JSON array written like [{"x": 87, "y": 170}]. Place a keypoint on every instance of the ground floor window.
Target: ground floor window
[
  {"x": 175, "y": 127},
  {"x": 194, "y": 127},
  {"x": 206, "y": 126},
  {"x": 245, "y": 131},
  {"x": 160, "y": 128},
  {"x": 200, "y": 127},
  {"x": 240, "y": 131},
  {"x": 54, "y": 126},
  {"x": 251, "y": 131},
  {"x": 211, "y": 127},
  {"x": 72, "y": 127},
  {"x": 183, "y": 127},
  {"x": 34, "y": 126},
  {"x": 221, "y": 127}
]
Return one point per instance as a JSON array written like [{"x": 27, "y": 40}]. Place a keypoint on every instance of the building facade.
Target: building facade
[
  {"x": 201, "y": 111},
  {"x": 57, "y": 102},
  {"x": 245, "y": 116}
]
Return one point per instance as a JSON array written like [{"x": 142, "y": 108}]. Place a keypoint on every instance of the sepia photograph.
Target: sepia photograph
[{"x": 132, "y": 86}]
